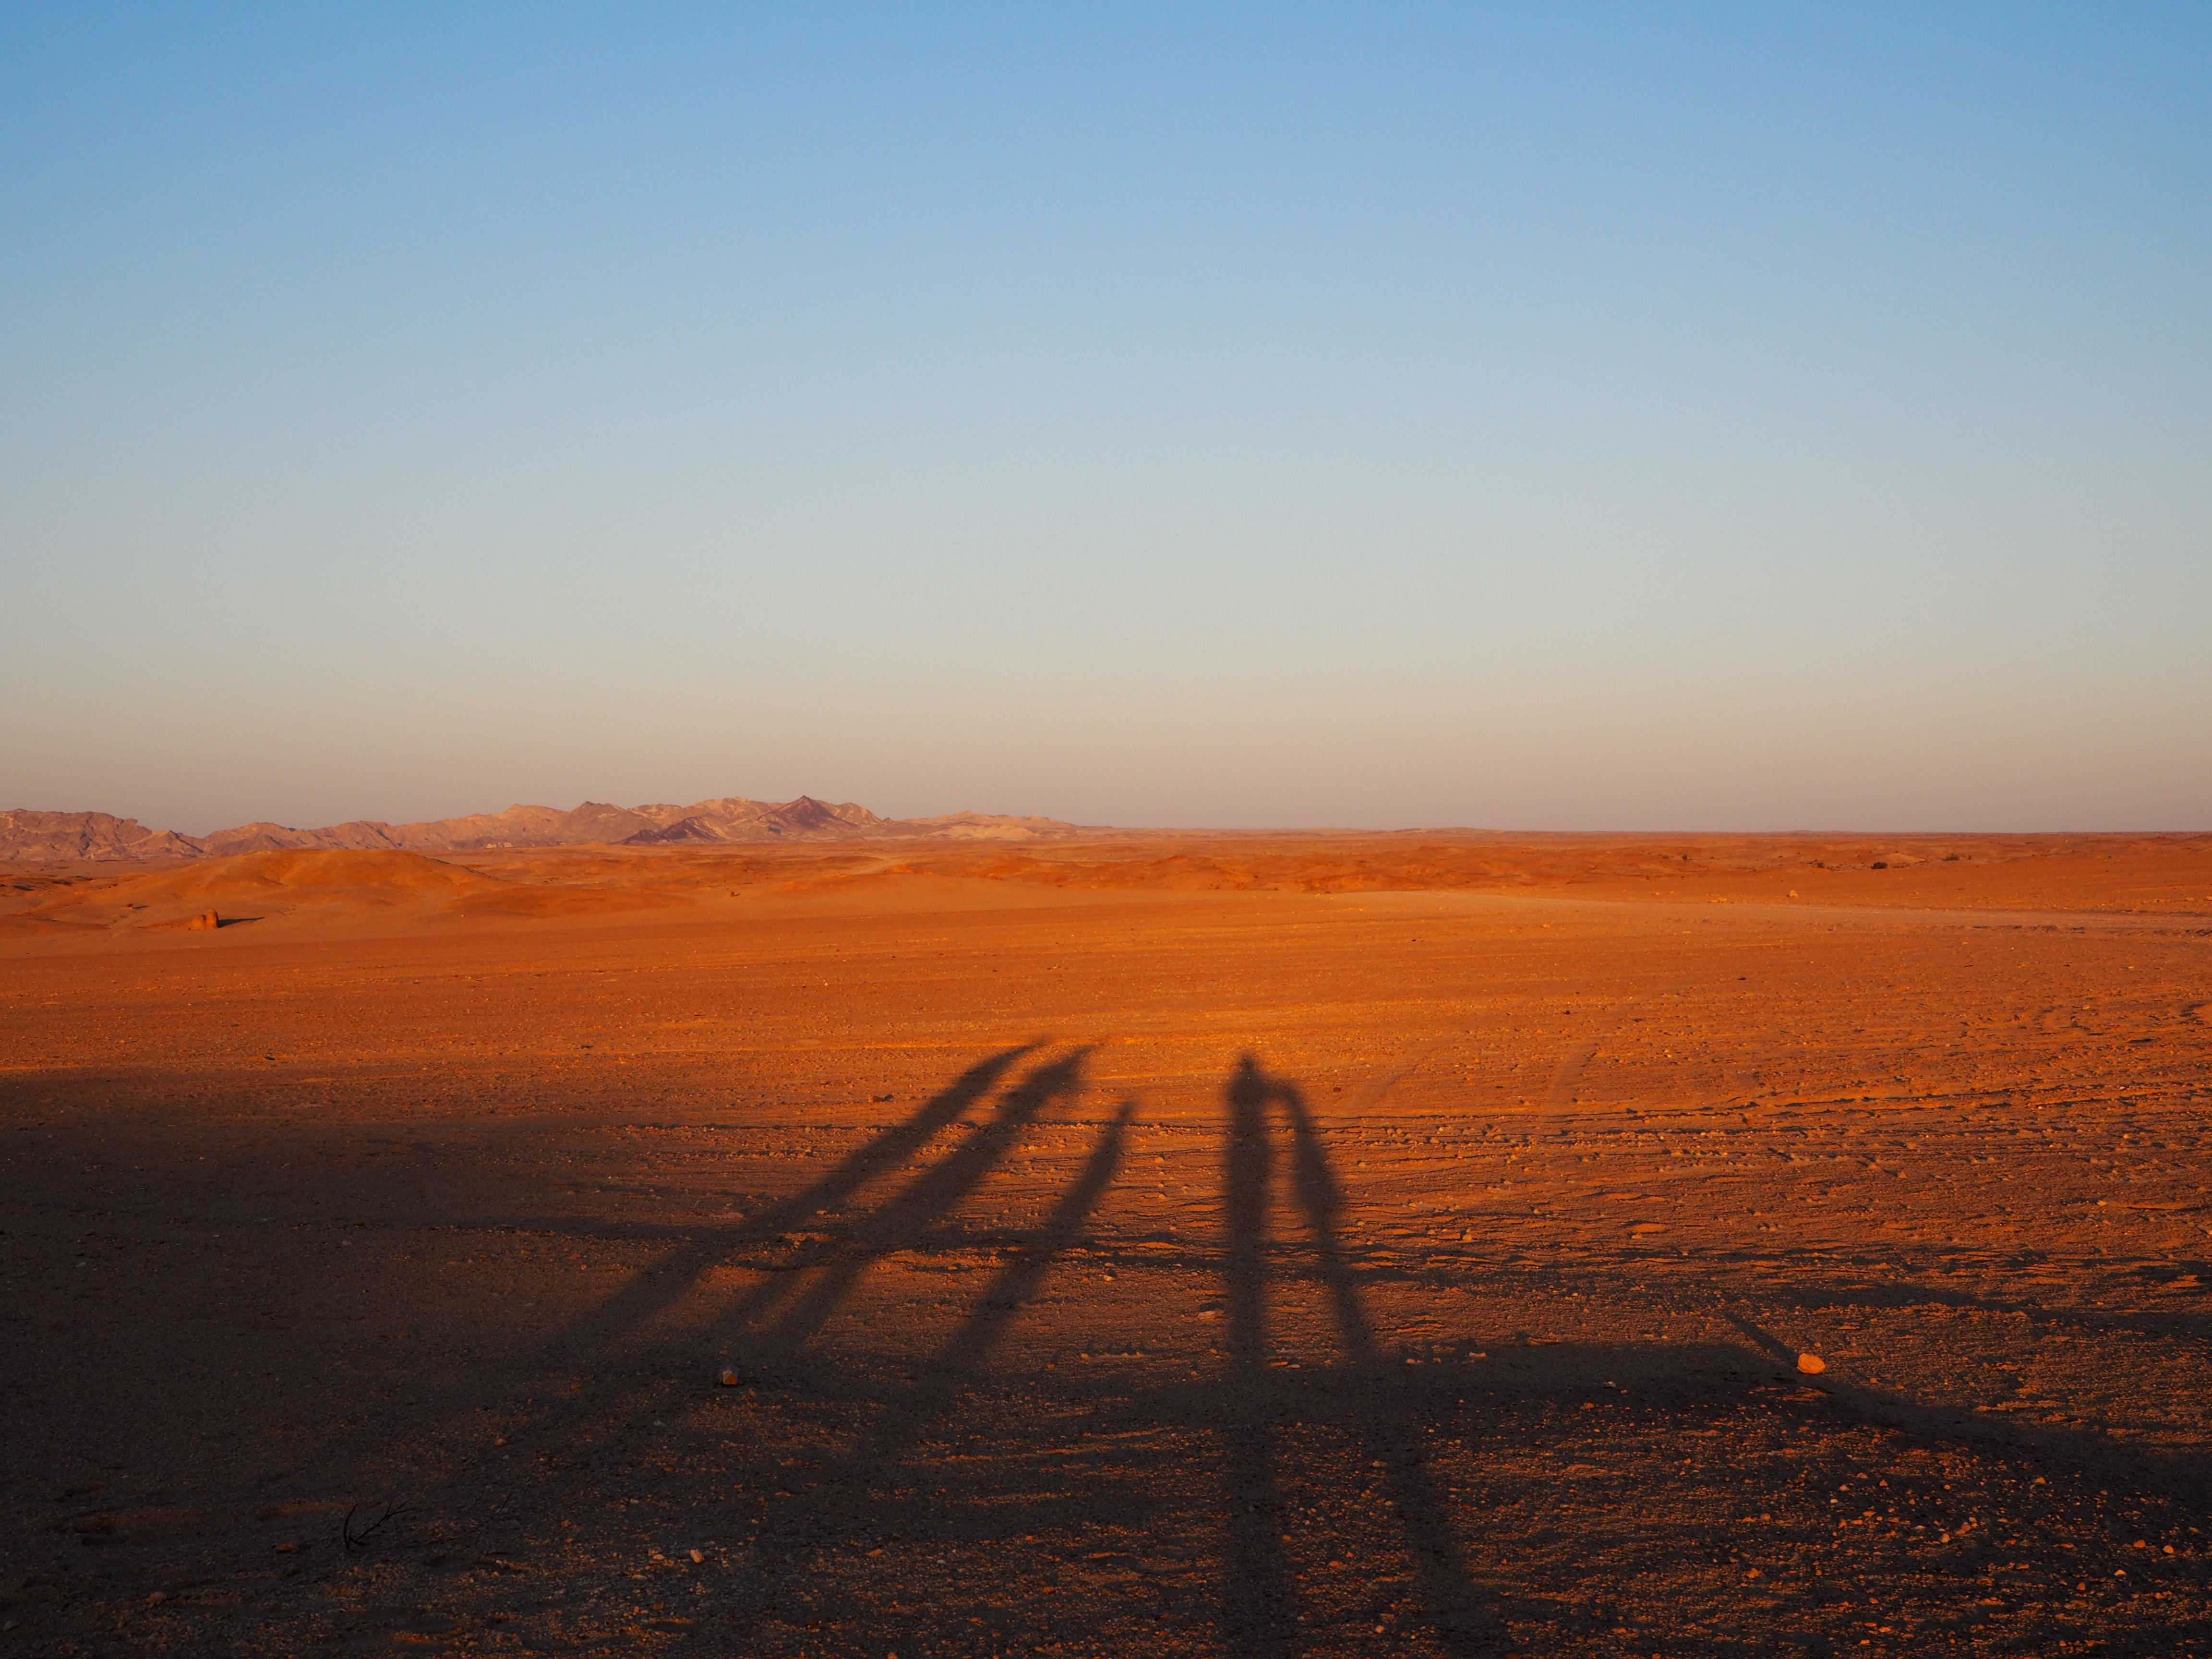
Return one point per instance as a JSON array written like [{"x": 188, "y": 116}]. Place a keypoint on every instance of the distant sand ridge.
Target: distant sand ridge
[{"x": 38, "y": 836}]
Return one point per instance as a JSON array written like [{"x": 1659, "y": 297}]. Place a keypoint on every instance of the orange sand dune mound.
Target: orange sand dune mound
[
  {"x": 328, "y": 884},
  {"x": 252, "y": 886},
  {"x": 302, "y": 872}
]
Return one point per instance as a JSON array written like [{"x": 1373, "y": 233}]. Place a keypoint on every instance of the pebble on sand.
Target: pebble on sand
[
  {"x": 1811, "y": 1363},
  {"x": 730, "y": 1379}
]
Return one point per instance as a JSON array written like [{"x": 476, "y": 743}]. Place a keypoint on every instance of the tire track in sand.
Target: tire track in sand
[{"x": 1567, "y": 1076}]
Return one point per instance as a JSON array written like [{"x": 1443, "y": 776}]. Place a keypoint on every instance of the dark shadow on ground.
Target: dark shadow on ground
[
  {"x": 861, "y": 1492},
  {"x": 796, "y": 1533},
  {"x": 1261, "y": 1600},
  {"x": 841, "y": 1231},
  {"x": 774, "y": 1321},
  {"x": 827, "y": 1198}
]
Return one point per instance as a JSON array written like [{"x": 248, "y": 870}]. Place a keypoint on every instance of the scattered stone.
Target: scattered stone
[
  {"x": 205, "y": 919},
  {"x": 1811, "y": 1363},
  {"x": 729, "y": 1378}
]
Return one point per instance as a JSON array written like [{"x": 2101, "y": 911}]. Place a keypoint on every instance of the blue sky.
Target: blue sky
[{"x": 1548, "y": 417}]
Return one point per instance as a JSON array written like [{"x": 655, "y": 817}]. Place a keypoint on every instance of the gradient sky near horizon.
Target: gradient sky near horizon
[{"x": 1545, "y": 416}]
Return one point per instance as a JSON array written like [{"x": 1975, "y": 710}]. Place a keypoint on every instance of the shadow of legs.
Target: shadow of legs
[
  {"x": 1258, "y": 1598},
  {"x": 1383, "y": 1413},
  {"x": 790, "y": 1539},
  {"x": 907, "y": 1216},
  {"x": 886, "y": 1151}
]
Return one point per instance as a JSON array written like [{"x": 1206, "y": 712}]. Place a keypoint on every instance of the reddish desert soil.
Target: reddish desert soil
[{"x": 1229, "y": 1245}]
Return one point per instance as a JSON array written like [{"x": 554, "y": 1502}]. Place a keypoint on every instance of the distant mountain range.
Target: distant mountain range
[{"x": 28, "y": 836}]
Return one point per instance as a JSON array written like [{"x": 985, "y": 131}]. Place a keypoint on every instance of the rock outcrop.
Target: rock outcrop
[{"x": 51, "y": 837}]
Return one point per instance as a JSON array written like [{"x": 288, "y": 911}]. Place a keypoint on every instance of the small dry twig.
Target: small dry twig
[{"x": 355, "y": 1540}]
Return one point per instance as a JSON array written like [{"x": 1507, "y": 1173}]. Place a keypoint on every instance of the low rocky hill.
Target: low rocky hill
[{"x": 47, "y": 837}]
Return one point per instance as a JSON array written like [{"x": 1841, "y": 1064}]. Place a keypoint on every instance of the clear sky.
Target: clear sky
[{"x": 1623, "y": 417}]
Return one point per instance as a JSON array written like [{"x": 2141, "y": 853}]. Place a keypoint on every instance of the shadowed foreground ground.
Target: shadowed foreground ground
[{"x": 1109, "y": 1273}]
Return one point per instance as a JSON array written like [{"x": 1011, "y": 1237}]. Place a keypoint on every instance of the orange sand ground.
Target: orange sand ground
[{"x": 1463, "y": 1320}]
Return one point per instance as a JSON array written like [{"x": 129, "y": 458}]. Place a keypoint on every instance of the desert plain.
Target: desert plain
[{"x": 1444, "y": 1244}]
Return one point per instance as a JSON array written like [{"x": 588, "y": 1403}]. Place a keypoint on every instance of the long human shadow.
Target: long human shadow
[
  {"x": 775, "y": 1319},
  {"x": 790, "y": 1540},
  {"x": 547, "y": 1429},
  {"x": 1260, "y": 1602},
  {"x": 653, "y": 1290}
]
